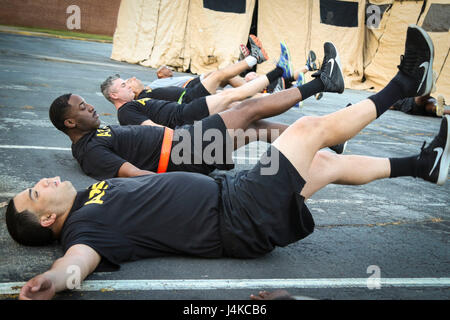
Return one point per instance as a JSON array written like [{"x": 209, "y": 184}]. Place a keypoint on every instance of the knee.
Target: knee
[
  {"x": 325, "y": 159},
  {"x": 310, "y": 125},
  {"x": 247, "y": 109},
  {"x": 217, "y": 75},
  {"x": 233, "y": 105}
]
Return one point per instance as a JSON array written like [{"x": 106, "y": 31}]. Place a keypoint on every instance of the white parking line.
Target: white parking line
[
  {"x": 9, "y": 146},
  {"x": 236, "y": 284}
]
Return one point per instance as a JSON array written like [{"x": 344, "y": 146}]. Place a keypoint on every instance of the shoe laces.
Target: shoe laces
[
  {"x": 409, "y": 62},
  {"x": 429, "y": 148}
]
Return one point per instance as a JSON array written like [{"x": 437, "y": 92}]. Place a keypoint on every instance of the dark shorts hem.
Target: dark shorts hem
[
  {"x": 194, "y": 111},
  {"x": 202, "y": 137},
  {"x": 195, "y": 92},
  {"x": 261, "y": 211},
  {"x": 193, "y": 82}
]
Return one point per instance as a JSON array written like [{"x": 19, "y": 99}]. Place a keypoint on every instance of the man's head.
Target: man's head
[
  {"x": 70, "y": 112},
  {"x": 136, "y": 85},
  {"x": 164, "y": 72},
  {"x": 116, "y": 90},
  {"x": 32, "y": 215}
]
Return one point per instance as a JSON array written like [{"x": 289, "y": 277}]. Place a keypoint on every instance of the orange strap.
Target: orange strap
[
  {"x": 165, "y": 150},
  {"x": 186, "y": 83}
]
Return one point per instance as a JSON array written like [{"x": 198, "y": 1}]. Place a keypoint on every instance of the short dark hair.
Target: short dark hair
[
  {"x": 24, "y": 227},
  {"x": 106, "y": 85},
  {"x": 58, "y": 110}
]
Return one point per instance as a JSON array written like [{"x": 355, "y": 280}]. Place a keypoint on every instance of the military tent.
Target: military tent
[{"x": 204, "y": 35}]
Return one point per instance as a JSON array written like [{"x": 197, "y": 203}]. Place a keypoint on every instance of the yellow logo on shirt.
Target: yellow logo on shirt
[
  {"x": 96, "y": 193},
  {"x": 104, "y": 132},
  {"x": 143, "y": 101}
]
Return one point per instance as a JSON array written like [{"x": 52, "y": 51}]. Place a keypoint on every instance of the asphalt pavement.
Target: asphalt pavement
[{"x": 384, "y": 240}]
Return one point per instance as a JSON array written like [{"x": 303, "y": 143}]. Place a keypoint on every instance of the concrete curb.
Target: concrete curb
[{"x": 48, "y": 35}]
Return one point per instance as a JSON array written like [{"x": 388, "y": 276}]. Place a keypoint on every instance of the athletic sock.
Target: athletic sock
[
  {"x": 403, "y": 167},
  {"x": 274, "y": 74},
  {"x": 398, "y": 88},
  {"x": 251, "y": 61},
  {"x": 311, "y": 88}
]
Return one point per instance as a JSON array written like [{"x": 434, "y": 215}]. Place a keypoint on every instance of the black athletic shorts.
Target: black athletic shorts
[
  {"x": 192, "y": 83},
  {"x": 190, "y": 112},
  {"x": 262, "y": 207},
  {"x": 194, "y": 92},
  {"x": 202, "y": 147}
]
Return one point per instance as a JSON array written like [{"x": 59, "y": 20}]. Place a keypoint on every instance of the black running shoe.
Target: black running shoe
[
  {"x": 434, "y": 160},
  {"x": 331, "y": 73},
  {"x": 417, "y": 62},
  {"x": 339, "y": 148}
]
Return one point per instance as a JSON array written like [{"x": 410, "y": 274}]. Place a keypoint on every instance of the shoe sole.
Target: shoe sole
[
  {"x": 258, "y": 43},
  {"x": 312, "y": 60},
  {"x": 291, "y": 71},
  {"x": 445, "y": 160},
  {"x": 440, "y": 106},
  {"x": 429, "y": 77}
]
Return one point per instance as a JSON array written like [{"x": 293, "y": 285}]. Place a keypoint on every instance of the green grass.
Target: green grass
[{"x": 64, "y": 33}]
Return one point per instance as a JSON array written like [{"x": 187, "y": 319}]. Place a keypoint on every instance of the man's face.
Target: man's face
[
  {"x": 48, "y": 196},
  {"x": 120, "y": 91},
  {"x": 81, "y": 114},
  {"x": 135, "y": 84}
]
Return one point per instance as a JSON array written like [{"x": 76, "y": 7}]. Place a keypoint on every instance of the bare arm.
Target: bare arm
[
  {"x": 150, "y": 123},
  {"x": 79, "y": 261},
  {"x": 129, "y": 170}
]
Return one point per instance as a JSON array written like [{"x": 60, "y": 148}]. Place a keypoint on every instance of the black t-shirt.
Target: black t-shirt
[
  {"x": 166, "y": 113},
  {"x": 102, "y": 152},
  {"x": 170, "y": 93},
  {"x": 126, "y": 219}
]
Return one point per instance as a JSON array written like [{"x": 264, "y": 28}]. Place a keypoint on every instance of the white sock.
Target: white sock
[{"x": 251, "y": 61}]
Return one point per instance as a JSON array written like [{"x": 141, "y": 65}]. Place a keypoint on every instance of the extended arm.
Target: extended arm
[
  {"x": 129, "y": 170},
  {"x": 150, "y": 123},
  {"x": 80, "y": 260}
]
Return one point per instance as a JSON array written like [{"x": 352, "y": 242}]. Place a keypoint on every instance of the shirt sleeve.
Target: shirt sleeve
[
  {"x": 111, "y": 247},
  {"x": 131, "y": 115},
  {"x": 101, "y": 163}
]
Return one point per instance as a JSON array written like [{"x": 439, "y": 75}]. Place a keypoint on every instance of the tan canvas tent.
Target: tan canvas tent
[
  {"x": 436, "y": 21},
  {"x": 188, "y": 34},
  {"x": 314, "y": 23},
  {"x": 204, "y": 35}
]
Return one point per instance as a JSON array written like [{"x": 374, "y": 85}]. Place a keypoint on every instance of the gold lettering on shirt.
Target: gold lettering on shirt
[
  {"x": 104, "y": 132},
  {"x": 96, "y": 193},
  {"x": 143, "y": 101}
]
